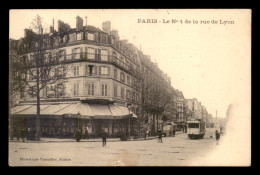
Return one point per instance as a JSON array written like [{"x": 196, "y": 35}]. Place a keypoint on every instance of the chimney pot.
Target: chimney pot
[{"x": 79, "y": 23}]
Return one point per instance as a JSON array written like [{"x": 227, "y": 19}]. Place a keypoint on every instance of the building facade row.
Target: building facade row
[{"x": 103, "y": 70}]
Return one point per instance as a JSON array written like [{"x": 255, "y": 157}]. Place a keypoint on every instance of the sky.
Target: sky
[{"x": 210, "y": 62}]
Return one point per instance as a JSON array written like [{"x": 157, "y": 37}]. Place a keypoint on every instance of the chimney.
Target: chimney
[
  {"x": 86, "y": 22},
  {"x": 28, "y": 32},
  {"x": 59, "y": 25},
  {"x": 106, "y": 26},
  {"x": 115, "y": 34},
  {"x": 51, "y": 29},
  {"x": 40, "y": 30},
  {"x": 79, "y": 23}
]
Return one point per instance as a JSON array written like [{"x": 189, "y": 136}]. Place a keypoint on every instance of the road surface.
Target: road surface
[{"x": 174, "y": 151}]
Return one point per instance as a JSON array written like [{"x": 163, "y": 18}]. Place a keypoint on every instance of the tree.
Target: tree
[
  {"x": 155, "y": 93},
  {"x": 38, "y": 65}
]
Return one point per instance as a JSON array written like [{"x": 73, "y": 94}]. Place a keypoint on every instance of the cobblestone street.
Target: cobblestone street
[{"x": 174, "y": 151}]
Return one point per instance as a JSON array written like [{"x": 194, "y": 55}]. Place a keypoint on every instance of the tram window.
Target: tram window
[{"x": 193, "y": 125}]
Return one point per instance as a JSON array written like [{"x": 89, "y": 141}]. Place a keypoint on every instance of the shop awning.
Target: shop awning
[
  {"x": 101, "y": 111},
  {"x": 51, "y": 109},
  {"x": 73, "y": 109},
  {"x": 19, "y": 108},
  {"x": 96, "y": 111},
  {"x": 31, "y": 110},
  {"x": 121, "y": 111}
]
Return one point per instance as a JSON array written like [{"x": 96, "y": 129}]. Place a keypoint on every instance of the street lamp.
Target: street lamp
[{"x": 129, "y": 107}]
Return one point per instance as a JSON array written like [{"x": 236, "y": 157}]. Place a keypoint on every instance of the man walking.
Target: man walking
[
  {"x": 159, "y": 136},
  {"x": 104, "y": 138},
  {"x": 217, "y": 137}
]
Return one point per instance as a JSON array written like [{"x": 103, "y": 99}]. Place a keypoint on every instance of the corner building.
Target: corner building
[{"x": 97, "y": 92}]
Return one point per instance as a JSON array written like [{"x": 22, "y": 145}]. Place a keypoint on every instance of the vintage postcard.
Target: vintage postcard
[{"x": 130, "y": 87}]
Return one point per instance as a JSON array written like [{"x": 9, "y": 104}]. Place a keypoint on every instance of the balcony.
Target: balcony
[{"x": 99, "y": 58}]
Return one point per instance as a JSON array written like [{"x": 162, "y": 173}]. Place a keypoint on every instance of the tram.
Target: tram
[{"x": 196, "y": 129}]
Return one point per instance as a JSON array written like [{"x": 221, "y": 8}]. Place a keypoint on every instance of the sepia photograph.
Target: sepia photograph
[{"x": 129, "y": 87}]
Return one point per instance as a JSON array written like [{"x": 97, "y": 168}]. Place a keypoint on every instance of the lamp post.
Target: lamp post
[{"x": 129, "y": 107}]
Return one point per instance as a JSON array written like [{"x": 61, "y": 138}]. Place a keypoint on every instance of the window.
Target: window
[
  {"x": 104, "y": 70},
  {"x": 23, "y": 75},
  {"x": 90, "y": 70},
  {"x": 104, "y": 90},
  {"x": 193, "y": 125},
  {"x": 137, "y": 97},
  {"x": 122, "y": 77},
  {"x": 115, "y": 73},
  {"x": 115, "y": 91},
  {"x": 61, "y": 39},
  {"x": 45, "y": 92},
  {"x": 76, "y": 53},
  {"x": 79, "y": 36},
  {"x": 62, "y": 55},
  {"x": 127, "y": 94},
  {"x": 21, "y": 93},
  {"x": 104, "y": 55},
  {"x": 31, "y": 76},
  {"x": 72, "y": 37},
  {"x": 112, "y": 41},
  {"x": 122, "y": 93},
  {"x": 128, "y": 79},
  {"x": 90, "y": 36},
  {"x": 90, "y": 53},
  {"x": 31, "y": 92},
  {"x": 76, "y": 89},
  {"x": 91, "y": 88},
  {"x": 65, "y": 39},
  {"x": 76, "y": 70},
  {"x": 133, "y": 96}
]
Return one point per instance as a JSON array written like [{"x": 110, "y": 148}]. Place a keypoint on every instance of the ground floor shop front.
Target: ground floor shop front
[
  {"x": 63, "y": 120},
  {"x": 65, "y": 127}
]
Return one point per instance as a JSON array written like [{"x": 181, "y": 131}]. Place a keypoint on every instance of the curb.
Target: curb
[
  {"x": 82, "y": 141},
  {"x": 73, "y": 140}
]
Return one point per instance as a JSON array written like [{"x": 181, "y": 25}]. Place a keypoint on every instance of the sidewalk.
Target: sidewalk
[{"x": 49, "y": 140}]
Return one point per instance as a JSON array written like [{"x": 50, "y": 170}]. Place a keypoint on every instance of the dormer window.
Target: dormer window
[
  {"x": 90, "y": 36},
  {"x": 79, "y": 36}
]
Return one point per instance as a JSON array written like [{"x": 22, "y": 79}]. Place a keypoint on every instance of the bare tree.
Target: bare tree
[{"x": 39, "y": 65}]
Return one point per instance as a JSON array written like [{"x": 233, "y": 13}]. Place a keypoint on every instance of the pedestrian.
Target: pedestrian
[
  {"x": 86, "y": 133},
  {"x": 159, "y": 136},
  {"x": 28, "y": 135},
  {"x": 173, "y": 132},
  {"x": 104, "y": 138},
  {"x": 146, "y": 134},
  {"x": 217, "y": 137},
  {"x": 23, "y": 134}
]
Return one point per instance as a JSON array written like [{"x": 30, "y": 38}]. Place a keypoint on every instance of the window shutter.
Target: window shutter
[
  {"x": 86, "y": 69},
  {"x": 65, "y": 54},
  {"x": 99, "y": 71},
  {"x": 88, "y": 85},
  {"x": 86, "y": 35},
  {"x": 73, "y": 52},
  {"x": 96, "y": 56},
  {"x": 82, "y": 35},
  {"x": 99, "y": 54},
  {"x": 108, "y": 71},
  {"x": 81, "y": 52},
  {"x": 108, "y": 55}
]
